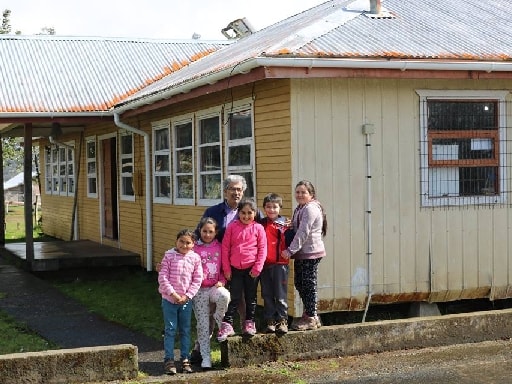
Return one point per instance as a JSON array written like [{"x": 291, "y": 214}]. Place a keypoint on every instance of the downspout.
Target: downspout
[
  {"x": 149, "y": 214},
  {"x": 368, "y": 129}
]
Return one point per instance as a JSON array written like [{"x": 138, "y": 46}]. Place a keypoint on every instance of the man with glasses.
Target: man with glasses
[{"x": 224, "y": 213}]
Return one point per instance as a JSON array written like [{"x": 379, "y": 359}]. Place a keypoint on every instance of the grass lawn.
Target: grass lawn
[{"x": 128, "y": 296}]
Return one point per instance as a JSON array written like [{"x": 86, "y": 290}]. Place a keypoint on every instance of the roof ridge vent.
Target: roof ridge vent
[{"x": 378, "y": 12}]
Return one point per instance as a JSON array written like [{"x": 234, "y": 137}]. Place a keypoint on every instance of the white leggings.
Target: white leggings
[{"x": 203, "y": 301}]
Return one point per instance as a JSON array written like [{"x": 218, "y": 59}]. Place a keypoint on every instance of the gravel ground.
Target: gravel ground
[{"x": 486, "y": 362}]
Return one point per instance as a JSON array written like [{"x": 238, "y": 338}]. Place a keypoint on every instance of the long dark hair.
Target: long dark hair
[{"x": 311, "y": 189}]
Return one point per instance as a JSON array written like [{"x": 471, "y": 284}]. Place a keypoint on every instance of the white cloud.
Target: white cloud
[{"x": 166, "y": 19}]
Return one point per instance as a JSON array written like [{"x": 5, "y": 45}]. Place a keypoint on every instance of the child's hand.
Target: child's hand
[
  {"x": 219, "y": 284},
  {"x": 285, "y": 254},
  {"x": 182, "y": 300},
  {"x": 253, "y": 275},
  {"x": 158, "y": 267},
  {"x": 227, "y": 276}
]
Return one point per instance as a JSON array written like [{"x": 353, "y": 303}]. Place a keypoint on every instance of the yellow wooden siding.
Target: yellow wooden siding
[{"x": 449, "y": 253}]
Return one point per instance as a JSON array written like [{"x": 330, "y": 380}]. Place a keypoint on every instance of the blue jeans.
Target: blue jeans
[{"x": 176, "y": 318}]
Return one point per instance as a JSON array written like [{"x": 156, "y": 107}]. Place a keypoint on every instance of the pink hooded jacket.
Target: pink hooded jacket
[{"x": 244, "y": 246}]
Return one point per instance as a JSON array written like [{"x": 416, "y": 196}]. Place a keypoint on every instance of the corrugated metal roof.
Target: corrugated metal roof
[
  {"x": 84, "y": 74},
  {"x": 473, "y": 30}
]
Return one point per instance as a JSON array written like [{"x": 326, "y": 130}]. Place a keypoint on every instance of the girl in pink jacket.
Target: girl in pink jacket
[{"x": 244, "y": 249}]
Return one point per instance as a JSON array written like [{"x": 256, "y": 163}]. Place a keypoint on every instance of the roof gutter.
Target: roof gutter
[
  {"x": 245, "y": 67},
  {"x": 149, "y": 214},
  {"x": 51, "y": 115}
]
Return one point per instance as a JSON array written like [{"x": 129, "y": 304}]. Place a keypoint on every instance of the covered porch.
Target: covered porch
[{"x": 59, "y": 255}]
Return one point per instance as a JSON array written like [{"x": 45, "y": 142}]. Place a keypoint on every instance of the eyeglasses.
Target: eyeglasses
[{"x": 232, "y": 189}]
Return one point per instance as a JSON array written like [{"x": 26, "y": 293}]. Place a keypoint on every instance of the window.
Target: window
[
  {"x": 60, "y": 170},
  {"x": 240, "y": 145},
  {"x": 183, "y": 162},
  {"x": 462, "y": 147},
  {"x": 126, "y": 154},
  {"x": 92, "y": 185},
  {"x": 209, "y": 159},
  {"x": 161, "y": 162}
]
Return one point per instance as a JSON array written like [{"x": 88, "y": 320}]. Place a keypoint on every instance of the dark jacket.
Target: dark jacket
[{"x": 218, "y": 212}]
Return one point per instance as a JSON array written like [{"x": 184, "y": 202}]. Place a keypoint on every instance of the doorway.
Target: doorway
[{"x": 109, "y": 193}]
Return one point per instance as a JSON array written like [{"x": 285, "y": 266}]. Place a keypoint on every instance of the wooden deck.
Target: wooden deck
[{"x": 57, "y": 255}]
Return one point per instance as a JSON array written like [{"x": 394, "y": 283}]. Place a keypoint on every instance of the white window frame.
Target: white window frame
[
  {"x": 425, "y": 95},
  {"x": 128, "y": 159},
  {"x": 241, "y": 105},
  {"x": 158, "y": 155},
  {"x": 91, "y": 162},
  {"x": 203, "y": 115},
  {"x": 60, "y": 177},
  {"x": 182, "y": 120}
]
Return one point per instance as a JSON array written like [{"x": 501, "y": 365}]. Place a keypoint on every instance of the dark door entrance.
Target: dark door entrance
[{"x": 110, "y": 188}]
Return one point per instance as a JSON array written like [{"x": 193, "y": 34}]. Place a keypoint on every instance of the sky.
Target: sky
[{"x": 156, "y": 19}]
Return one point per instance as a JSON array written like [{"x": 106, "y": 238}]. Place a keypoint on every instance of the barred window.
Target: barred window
[{"x": 462, "y": 151}]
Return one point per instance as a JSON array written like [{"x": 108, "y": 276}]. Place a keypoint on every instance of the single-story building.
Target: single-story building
[{"x": 398, "y": 112}]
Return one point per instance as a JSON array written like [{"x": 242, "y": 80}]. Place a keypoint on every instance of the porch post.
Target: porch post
[
  {"x": 2, "y": 196},
  {"x": 27, "y": 187}
]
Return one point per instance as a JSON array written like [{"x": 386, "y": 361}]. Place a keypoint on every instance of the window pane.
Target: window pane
[
  {"x": 462, "y": 115},
  {"x": 92, "y": 185},
  {"x": 62, "y": 170},
  {"x": 183, "y": 135},
  {"x": 91, "y": 167},
  {"x": 70, "y": 170},
  {"x": 184, "y": 161},
  {"x": 240, "y": 125},
  {"x": 91, "y": 150},
  {"x": 71, "y": 185},
  {"x": 62, "y": 154},
  {"x": 463, "y": 148},
  {"x": 240, "y": 155},
  {"x": 211, "y": 187},
  {"x": 185, "y": 187},
  {"x": 161, "y": 139},
  {"x": 210, "y": 158},
  {"x": 249, "y": 192},
  {"x": 162, "y": 186},
  {"x": 127, "y": 186},
  {"x": 126, "y": 166},
  {"x": 209, "y": 130},
  {"x": 126, "y": 144},
  {"x": 162, "y": 163}
]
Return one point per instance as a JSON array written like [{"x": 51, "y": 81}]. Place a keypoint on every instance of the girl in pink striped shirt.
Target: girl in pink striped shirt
[{"x": 179, "y": 279}]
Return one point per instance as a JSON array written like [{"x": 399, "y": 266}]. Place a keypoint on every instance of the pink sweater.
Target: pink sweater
[
  {"x": 211, "y": 261},
  {"x": 179, "y": 273},
  {"x": 244, "y": 246}
]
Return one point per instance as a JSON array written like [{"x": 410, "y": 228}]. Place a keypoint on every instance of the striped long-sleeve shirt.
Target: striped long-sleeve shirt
[{"x": 179, "y": 273}]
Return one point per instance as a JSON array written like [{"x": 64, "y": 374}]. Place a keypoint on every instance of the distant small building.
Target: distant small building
[{"x": 14, "y": 190}]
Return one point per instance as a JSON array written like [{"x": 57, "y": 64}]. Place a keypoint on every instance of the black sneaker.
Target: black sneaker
[
  {"x": 271, "y": 326},
  {"x": 195, "y": 357}
]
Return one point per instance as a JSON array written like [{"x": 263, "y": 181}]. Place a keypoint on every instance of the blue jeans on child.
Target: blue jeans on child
[{"x": 177, "y": 317}]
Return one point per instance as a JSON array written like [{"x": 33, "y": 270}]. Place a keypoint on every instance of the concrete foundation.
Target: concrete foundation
[
  {"x": 64, "y": 366},
  {"x": 355, "y": 339}
]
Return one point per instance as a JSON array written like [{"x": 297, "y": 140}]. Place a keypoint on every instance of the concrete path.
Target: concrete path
[{"x": 65, "y": 322}]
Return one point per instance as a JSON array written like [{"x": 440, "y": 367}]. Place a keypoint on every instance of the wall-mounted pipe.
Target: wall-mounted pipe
[{"x": 368, "y": 130}]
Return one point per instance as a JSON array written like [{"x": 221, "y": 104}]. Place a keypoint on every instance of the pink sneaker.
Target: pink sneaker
[
  {"x": 249, "y": 328},
  {"x": 225, "y": 331}
]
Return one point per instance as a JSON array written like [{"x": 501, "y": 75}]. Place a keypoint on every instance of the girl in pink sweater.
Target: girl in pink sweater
[
  {"x": 179, "y": 279},
  {"x": 244, "y": 249},
  {"x": 213, "y": 291}
]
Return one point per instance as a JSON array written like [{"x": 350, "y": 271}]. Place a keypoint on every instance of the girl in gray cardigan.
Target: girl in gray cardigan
[{"x": 307, "y": 249}]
